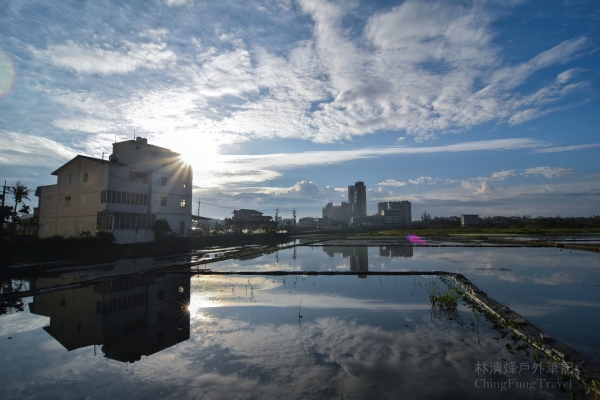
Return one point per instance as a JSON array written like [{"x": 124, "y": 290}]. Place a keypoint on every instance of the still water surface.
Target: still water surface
[{"x": 178, "y": 335}]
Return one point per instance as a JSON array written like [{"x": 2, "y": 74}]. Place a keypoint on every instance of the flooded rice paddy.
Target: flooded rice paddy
[{"x": 141, "y": 331}]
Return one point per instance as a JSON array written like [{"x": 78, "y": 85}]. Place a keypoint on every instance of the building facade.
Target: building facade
[
  {"x": 247, "y": 214},
  {"x": 357, "y": 199},
  {"x": 130, "y": 317},
  {"x": 339, "y": 213},
  {"x": 395, "y": 213},
  {"x": 138, "y": 185},
  {"x": 469, "y": 220}
]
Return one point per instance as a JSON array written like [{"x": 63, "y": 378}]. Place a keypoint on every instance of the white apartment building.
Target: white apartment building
[
  {"x": 395, "y": 213},
  {"x": 125, "y": 195}
]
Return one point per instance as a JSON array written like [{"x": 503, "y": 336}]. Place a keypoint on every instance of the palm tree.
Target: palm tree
[{"x": 20, "y": 193}]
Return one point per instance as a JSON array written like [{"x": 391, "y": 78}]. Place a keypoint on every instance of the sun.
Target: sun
[{"x": 201, "y": 153}]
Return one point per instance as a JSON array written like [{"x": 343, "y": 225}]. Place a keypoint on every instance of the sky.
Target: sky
[{"x": 475, "y": 107}]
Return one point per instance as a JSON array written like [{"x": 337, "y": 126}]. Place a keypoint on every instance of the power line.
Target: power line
[{"x": 233, "y": 208}]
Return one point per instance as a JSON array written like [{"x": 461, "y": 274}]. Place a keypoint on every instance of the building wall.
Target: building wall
[
  {"x": 396, "y": 213},
  {"x": 467, "y": 220},
  {"x": 246, "y": 214},
  {"x": 73, "y": 203},
  {"x": 339, "y": 213}
]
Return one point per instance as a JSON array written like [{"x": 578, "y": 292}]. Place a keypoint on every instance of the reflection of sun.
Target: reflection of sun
[{"x": 199, "y": 303}]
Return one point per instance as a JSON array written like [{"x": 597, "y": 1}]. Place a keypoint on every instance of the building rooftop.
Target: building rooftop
[{"x": 98, "y": 160}]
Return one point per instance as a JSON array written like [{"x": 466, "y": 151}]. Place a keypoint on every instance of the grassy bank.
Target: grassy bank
[
  {"x": 484, "y": 231},
  {"x": 31, "y": 249}
]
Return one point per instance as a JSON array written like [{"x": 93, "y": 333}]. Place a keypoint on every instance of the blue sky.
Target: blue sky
[{"x": 486, "y": 107}]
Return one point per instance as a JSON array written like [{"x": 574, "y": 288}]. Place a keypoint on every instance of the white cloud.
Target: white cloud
[
  {"x": 176, "y": 3},
  {"x": 19, "y": 149},
  {"x": 549, "y": 172},
  {"x": 107, "y": 60},
  {"x": 417, "y": 67},
  {"x": 503, "y": 174},
  {"x": 156, "y": 35},
  {"x": 424, "y": 180},
  {"x": 567, "y": 148},
  {"x": 391, "y": 182}
]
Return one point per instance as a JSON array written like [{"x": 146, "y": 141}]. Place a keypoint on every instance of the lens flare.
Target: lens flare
[
  {"x": 7, "y": 73},
  {"x": 412, "y": 238}
]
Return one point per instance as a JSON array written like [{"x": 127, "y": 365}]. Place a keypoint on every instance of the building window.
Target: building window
[
  {"x": 47, "y": 227},
  {"x": 161, "y": 294},
  {"x": 163, "y": 201},
  {"x": 81, "y": 226},
  {"x": 48, "y": 202},
  {"x": 66, "y": 227},
  {"x": 183, "y": 185},
  {"x": 182, "y": 203},
  {"x": 83, "y": 199},
  {"x": 85, "y": 176},
  {"x": 161, "y": 315},
  {"x": 69, "y": 177},
  {"x": 181, "y": 290},
  {"x": 68, "y": 201},
  {"x": 163, "y": 181}
]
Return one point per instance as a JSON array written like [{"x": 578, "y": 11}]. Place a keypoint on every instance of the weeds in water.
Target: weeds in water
[{"x": 444, "y": 303}]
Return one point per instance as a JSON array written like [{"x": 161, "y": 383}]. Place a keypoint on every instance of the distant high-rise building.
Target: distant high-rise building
[{"x": 357, "y": 198}]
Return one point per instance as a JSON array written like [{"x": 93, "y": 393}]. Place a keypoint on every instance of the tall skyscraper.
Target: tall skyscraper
[{"x": 357, "y": 198}]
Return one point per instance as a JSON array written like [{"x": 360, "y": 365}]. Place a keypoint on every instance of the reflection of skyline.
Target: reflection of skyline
[
  {"x": 129, "y": 317},
  {"x": 396, "y": 251},
  {"x": 359, "y": 257}
]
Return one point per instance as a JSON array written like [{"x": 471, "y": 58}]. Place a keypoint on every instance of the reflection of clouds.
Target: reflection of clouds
[
  {"x": 557, "y": 278},
  {"x": 275, "y": 358},
  {"x": 232, "y": 291},
  {"x": 502, "y": 275},
  {"x": 574, "y": 303},
  {"x": 294, "y": 363},
  {"x": 21, "y": 322},
  {"x": 550, "y": 307}
]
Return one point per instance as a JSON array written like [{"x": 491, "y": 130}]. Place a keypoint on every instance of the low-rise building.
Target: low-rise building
[
  {"x": 373, "y": 220},
  {"x": 395, "y": 213},
  {"x": 469, "y": 220},
  {"x": 139, "y": 184},
  {"x": 247, "y": 214}
]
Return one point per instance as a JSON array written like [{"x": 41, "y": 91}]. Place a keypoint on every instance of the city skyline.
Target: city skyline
[{"x": 457, "y": 107}]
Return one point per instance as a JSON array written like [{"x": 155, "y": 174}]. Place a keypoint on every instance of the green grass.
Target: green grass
[{"x": 482, "y": 231}]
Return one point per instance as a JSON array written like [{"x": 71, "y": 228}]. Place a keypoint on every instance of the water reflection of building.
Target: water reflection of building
[
  {"x": 359, "y": 257},
  {"x": 130, "y": 316},
  {"x": 396, "y": 251}
]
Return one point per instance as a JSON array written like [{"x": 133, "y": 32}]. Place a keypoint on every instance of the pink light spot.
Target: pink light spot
[{"x": 412, "y": 238}]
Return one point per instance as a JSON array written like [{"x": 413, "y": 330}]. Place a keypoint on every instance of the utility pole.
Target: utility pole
[
  {"x": 3, "y": 193},
  {"x": 2, "y": 214},
  {"x": 294, "y": 214},
  {"x": 199, "y": 213}
]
